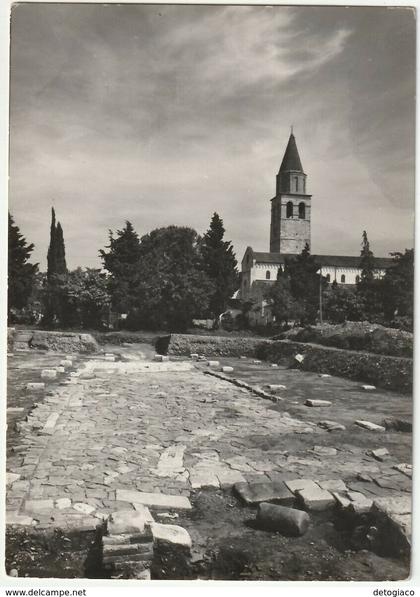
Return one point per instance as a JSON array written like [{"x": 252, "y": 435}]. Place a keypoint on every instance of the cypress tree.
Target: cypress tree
[
  {"x": 219, "y": 263},
  {"x": 60, "y": 265},
  {"x": 56, "y": 269}
]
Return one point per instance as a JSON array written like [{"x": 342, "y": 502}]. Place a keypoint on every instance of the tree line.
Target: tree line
[
  {"x": 389, "y": 300},
  {"x": 163, "y": 280}
]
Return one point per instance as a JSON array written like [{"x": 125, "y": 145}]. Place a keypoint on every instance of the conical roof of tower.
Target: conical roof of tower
[{"x": 291, "y": 159}]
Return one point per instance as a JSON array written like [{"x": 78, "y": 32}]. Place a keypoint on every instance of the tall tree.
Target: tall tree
[
  {"x": 369, "y": 289},
  {"x": 121, "y": 260},
  {"x": 21, "y": 273},
  {"x": 304, "y": 283},
  {"x": 367, "y": 263},
  {"x": 398, "y": 286},
  {"x": 220, "y": 265},
  {"x": 56, "y": 274},
  {"x": 171, "y": 286}
]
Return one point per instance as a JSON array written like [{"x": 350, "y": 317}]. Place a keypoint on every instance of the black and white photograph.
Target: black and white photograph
[{"x": 210, "y": 293}]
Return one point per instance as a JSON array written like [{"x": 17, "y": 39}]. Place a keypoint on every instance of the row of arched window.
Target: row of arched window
[
  {"x": 327, "y": 277},
  {"x": 289, "y": 210}
]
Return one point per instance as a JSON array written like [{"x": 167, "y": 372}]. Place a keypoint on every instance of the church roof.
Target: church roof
[
  {"x": 325, "y": 260},
  {"x": 291, "y": 159}
]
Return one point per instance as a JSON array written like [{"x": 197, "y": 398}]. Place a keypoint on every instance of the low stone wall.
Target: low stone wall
[
  {"x": 57, "y": 341},
  {"x": 186, "y": 344},
  {"x": 393, "y": 373}
]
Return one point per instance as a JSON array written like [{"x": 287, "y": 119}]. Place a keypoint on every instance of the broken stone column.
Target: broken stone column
[
  {"x": 287, "y": 521},
  {"x": 127, "y": 544}
]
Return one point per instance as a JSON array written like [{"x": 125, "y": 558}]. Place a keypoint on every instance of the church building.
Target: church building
[{"x": 290, "y": 230}]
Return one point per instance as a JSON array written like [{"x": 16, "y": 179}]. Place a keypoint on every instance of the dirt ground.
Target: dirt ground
[{"x": 143, "y": 414}]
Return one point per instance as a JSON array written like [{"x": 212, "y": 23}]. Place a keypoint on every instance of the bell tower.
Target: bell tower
[{"x": 291, "y": 206}]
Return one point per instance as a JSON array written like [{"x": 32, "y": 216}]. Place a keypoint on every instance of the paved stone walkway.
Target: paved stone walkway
[{"x": 113, "y": 429}]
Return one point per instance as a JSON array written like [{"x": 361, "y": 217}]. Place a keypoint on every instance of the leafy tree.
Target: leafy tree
[
  {"x": 121, "y": 261},
  {"x": 398, "y": 286},
  {"x": 304, "y": 283},
  {"x": 341, "y": 304},
  {"x": 220, "y": 265},
  {"x": 83, "y": 295},
  {"x": 284, "y": 306},
  {"x": 171, "y": 286},
  {"x": 21, "y": 273}
]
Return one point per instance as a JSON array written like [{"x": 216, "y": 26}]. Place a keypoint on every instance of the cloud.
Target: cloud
[{"x": 164, "y": 114}]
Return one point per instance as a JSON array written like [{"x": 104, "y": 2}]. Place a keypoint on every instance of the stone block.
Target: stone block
[
  {"x": 324, "y": 451},
  {"x": 368, "y": 388},
  {"x": 380, "y": 454},
  {"x": 299, "y": 358},
  {"x": 227, "y": 369},
  {"x": 154, "y": 500},
  {"x": 111, "y": 550},
  {"x": 369, "y": 426},
  {"x": 256, "y": 362},
  {"x": 298, "y": 484},
  {"x": 48, "y": 374},
  {"x": 194, "y": 356},
  {"x": 256, "y": 493},
  {"x": 145, "y": 556},
  {"x": 62, "y": 503},
  {"x": 66, "y": 363},
  {"x": 243, "y": 357},
  {"x": 324, "y": 375},
  {"x": 14, "y": 410},
  {"x": 60, "y": 369},
  {"x": 317, "y": 403},
  {"x": 213, "y": 363},
  {"x": 275, "y": 387},
  {"x": 38, "y": 506},
  {"x": 124, "y": 522},
  {"x": 170, "y": 534},
  {"x": 35, "y": 386},
  {"x": 316, "y": 499},
  {"x": 331, "y": 426},
  {"x": 287, "y": 521},
  {"x": 83, "y": 508},
  {"x": 49, "y": 426},
  {"x": 274, "y": 365},
  {"x": 11, "y": 478},
  {"x": 359, "y": 503},
  {"x": 333, "y": 485},
  {"x": 405, "y": 469},
  {"x": 393, "y": 505},
  {"x": 341, "y": 499},
  {"x": 228, "y": 477},
  {"x": 160, "y": 358},
  {"x": 15, "y": 519}
]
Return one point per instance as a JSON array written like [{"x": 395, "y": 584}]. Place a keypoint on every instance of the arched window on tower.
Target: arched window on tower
[
  {"x": 289, "y": 210},
  {"x": 302, "y": 211},
  {"x": 267, "y": 275},
  {"x": 296, "y": 184},
  {"x": 343, "y": 279}
]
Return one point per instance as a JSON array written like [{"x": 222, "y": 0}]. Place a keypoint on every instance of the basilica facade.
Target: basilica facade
[{"x": 290, "y": 231}]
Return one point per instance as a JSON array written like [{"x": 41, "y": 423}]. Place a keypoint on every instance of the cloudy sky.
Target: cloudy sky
[{"x": 164, "y": 114}]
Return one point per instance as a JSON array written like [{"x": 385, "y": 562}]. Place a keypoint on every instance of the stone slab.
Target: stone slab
[
  {"x": 48, "y": 374},
  {"x": 333, "y": 485},
  {"x": 36, "y": 386},
  {"x": 154, "y": 500},
  {"x": 13, "y": 518},
  {"x": 38, "y": 506},
  {"x": 317, "y": 403},
  {"x": 227, "y": 369},
  {"x": 369, "y": 426},
  {"x": 125, "y": 522},
  {"x": 297, "y": 484},
  {"x": 324, "y": 451},
  {"x": 331, "y": 425},
  {"x": 171, "y": 534},
  {"x": 256, "y": 493},
  {"x": 50, "y": 424},
  {"x": 316, "y": 499}
]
